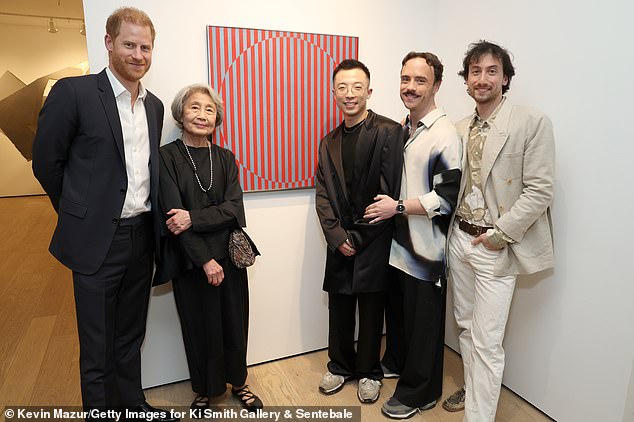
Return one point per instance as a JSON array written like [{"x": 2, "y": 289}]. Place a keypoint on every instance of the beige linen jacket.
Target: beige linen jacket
[{"x": 518, "y": 170}]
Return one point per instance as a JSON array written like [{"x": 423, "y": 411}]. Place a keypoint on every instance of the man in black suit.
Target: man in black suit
[
  {"x": 96, "y": 155},
  {"x": 358, "y": 160}
]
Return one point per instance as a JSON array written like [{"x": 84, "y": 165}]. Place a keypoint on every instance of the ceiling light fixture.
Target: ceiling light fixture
[{"x": 51, "y": 25}]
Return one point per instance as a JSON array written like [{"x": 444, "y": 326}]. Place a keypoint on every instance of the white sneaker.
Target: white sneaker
[
  {"x": 331, "y": 383},
  {"x": 369, "y": 390}
]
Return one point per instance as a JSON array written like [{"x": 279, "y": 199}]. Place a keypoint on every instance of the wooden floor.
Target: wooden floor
[{"x": 39, "y": 352}]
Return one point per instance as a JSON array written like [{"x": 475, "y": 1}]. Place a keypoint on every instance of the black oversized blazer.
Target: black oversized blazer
[
  {"x": 377, "y": 169},
  {"x": 79, "y": 160}
]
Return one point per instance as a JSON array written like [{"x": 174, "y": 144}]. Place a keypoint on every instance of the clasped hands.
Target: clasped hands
[
  {"x": 379, "y": 210},
  {"x": 180, "y": 221},
  {"x": 214, "y": 272},
  {"x": 347, "y": 249}
]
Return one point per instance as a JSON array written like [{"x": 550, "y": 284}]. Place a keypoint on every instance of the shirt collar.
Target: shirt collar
[
  {"x": 429, "y": 119},
  {"x": 476, "y": 118},
  {"x": 408, "y": 123},
  {"x": 118, "y": 88}
]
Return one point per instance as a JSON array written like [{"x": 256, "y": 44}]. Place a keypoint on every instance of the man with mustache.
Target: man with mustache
[
  {"x": 502, "y": 225},
  {"x": 415, "y": 314},
  {"x": 96, "y": 155}
]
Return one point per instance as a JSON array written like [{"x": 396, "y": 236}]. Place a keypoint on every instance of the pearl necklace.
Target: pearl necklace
[{"x": 211, "y": 167}]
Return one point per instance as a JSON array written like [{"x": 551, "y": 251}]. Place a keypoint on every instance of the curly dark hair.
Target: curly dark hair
[{"x": 481, "y": 48}]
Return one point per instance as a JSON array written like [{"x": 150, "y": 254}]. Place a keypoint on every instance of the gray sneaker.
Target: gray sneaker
[
  {"x": 396, "y": 410},
  {"x": 369, "y": 390},
  {"x": 388, "y": 373},
  {"x": 455, "y": 402},
  {"x": 331, "y": 383}
]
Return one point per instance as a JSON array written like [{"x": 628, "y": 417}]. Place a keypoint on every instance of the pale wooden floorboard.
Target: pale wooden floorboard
[
  {"x": 24, "y": 367},
  {"x": 39, "y": 351}
]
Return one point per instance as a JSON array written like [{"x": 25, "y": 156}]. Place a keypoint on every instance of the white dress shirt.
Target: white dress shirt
[{"x": 136, "y": 145}]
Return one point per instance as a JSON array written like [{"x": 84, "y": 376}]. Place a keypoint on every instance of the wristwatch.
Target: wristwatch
[{"x": 400, "y": 208}]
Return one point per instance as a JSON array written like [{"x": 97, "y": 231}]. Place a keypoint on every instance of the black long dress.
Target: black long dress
[{"x": 214, "y": 320}]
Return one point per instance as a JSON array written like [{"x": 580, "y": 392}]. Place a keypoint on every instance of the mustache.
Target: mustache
[{"x": 409, "y": 92}]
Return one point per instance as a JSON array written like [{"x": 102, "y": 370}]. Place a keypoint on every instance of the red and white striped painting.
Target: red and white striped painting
[{"x": 277, "y": 90}]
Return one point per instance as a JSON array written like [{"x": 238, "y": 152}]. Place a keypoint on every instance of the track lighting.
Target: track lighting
[{"x": 51, "y": 26}]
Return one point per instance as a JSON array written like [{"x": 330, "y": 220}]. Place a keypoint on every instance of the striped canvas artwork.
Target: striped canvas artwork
[{"x": 277, "y": 91}]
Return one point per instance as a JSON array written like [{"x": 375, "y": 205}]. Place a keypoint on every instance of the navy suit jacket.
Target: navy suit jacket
[{"x": 79, "y": 160}]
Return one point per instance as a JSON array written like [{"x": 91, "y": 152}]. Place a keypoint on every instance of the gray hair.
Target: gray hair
[{"x": 184, "y": 94}]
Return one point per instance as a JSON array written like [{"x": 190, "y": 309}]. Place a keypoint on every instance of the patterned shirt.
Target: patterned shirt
[
  {"x": 431, "y": 173},
  {"x": 473, "y": 207}
]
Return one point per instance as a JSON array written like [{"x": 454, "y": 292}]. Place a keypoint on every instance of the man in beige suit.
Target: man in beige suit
[{"x": 502, "y": 224}]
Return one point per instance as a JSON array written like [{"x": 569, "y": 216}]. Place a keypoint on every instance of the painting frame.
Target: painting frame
[{"x": 276, "y": 87}]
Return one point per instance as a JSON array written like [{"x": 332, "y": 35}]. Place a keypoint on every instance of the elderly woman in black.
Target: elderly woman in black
[{"x": 201, "y": 198}]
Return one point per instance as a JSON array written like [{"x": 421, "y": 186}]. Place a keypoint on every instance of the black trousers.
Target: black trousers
[
  {"x": 215, "y": 324},
  {"x": 344, "y": 360},
  {"x": 111, "y": 307},
  {"x": 394, "y": 355},
  {"x": 420, "y": 343}
]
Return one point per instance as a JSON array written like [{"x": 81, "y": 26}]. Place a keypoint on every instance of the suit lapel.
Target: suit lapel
[
  {"x": 463, "y": 131},
  {"x": 110, "y": 106},
  {"x": 152, "y": 119},
  {"x": 365, "y": 142},
  {"x": 495, "y": 141},
  {"x": 334, "y": 151},
  {"x": 496, "y": 138}
]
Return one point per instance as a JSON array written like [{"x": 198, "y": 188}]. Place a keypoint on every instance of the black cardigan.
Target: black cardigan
[{"x": 214, "y": 213}]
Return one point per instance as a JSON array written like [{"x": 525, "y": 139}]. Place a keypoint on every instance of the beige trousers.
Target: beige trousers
[{"x": 481, "y": 308}]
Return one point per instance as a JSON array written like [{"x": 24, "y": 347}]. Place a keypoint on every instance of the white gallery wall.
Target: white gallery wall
[
  {"x": 289, "y": 313},
  {"x": 570, "y": 341}
]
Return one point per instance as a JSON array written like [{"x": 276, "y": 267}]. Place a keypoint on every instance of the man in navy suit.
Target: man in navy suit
[{"x": 96, "y": 155}]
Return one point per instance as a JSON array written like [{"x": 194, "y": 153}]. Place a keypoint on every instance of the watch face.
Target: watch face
[{"x": 400, "y": 208}]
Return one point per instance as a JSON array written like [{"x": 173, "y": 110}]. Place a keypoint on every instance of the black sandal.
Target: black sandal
[
  {"x": 199, "y": 405},
  {"x": 248, "y": 400}
]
